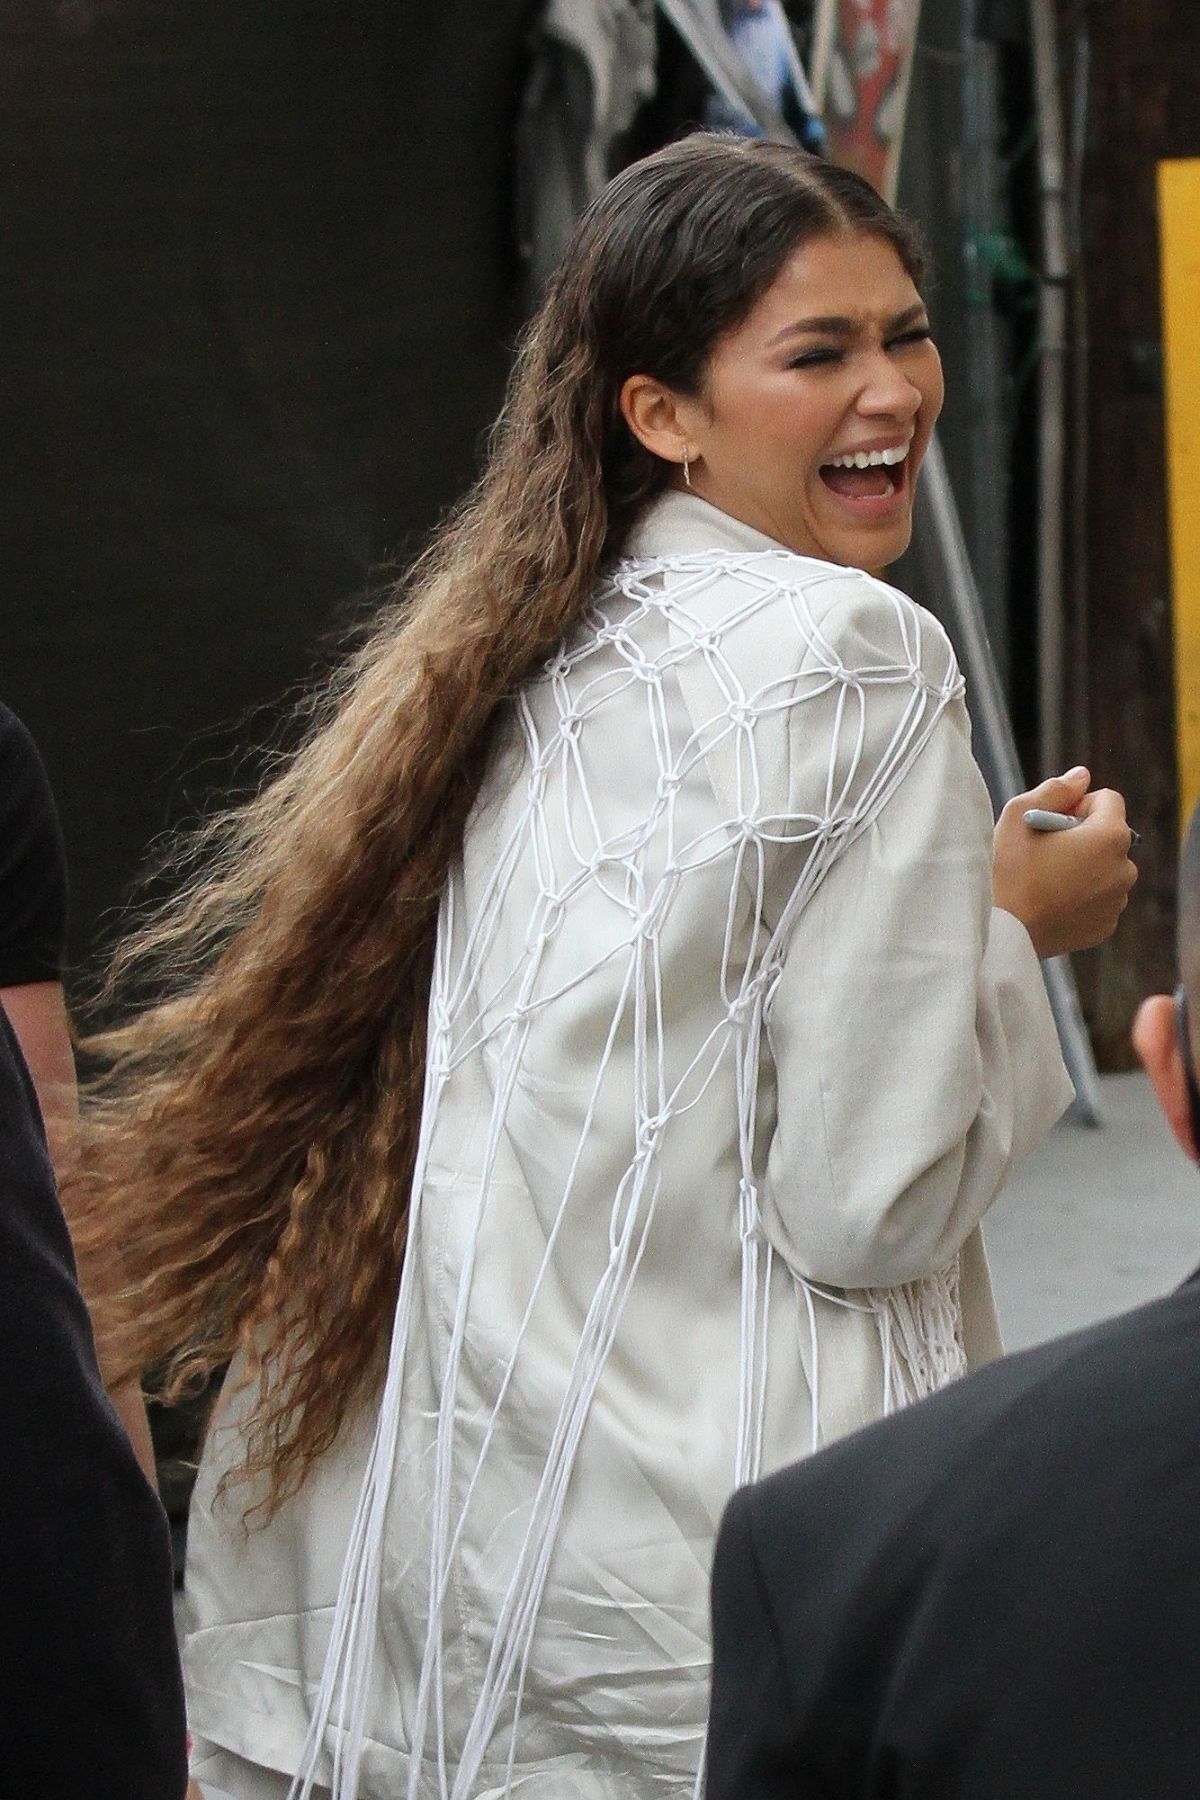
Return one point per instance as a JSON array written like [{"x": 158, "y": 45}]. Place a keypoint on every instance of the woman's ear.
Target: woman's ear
[
  {"x": 1156, "y": 1044},
  {"x": 656, "y": 417}
]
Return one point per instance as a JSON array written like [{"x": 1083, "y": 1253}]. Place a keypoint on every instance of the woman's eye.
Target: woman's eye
[
  {"x": 918, "y": 335},
  {"x": 814, "y": 359},
  {"x": 829, "y": 355}
]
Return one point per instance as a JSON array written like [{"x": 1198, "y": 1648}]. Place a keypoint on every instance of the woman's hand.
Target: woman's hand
[{"x": 1068, "y": 888}]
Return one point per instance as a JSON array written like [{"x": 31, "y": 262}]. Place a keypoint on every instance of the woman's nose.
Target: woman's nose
[{"x": 887, "y": 390}]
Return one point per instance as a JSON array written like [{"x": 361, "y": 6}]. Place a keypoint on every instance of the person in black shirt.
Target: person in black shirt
[
  {"x": 33, "y": 894},
  {"x": 91, "y": 1702},
  {"x": 33, "y": 931},
  {"x": 33, "y": 923}
]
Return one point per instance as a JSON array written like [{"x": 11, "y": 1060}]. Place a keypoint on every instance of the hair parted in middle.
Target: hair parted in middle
[{"x": 247, "y": 1150}]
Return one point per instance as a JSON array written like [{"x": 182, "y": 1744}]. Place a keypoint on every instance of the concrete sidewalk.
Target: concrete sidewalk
[{"x": 1097, "y": 1221}]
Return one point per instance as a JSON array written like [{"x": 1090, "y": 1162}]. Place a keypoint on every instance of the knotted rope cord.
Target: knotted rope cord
[{"x": 919, "y": 1325}]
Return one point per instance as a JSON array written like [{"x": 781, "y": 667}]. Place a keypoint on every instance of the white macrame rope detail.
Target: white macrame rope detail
[{"x": 639, "y": 872}]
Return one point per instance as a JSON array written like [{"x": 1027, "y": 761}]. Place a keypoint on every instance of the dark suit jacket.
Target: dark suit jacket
[
  {"x": 91, "y": 1704},
  {"x": 994, "y": 1594}
]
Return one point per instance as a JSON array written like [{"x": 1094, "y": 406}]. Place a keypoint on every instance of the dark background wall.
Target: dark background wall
[{"x": 258, "y": 305}]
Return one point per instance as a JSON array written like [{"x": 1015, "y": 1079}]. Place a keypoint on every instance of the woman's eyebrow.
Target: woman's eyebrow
[{"x": 838, "y": 326}]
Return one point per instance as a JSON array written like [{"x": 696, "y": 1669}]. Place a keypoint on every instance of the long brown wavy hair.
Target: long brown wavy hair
[{"x": 247, "y": 1148}]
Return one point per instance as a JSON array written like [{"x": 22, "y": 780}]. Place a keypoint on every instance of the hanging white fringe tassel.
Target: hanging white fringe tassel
[{"x": 921, "y": 1336}]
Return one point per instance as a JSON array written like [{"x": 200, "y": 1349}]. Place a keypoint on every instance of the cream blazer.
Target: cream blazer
[{"x": 729, "y": 1053}]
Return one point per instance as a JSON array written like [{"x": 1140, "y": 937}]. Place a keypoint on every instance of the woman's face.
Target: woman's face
[{"x": 834, "y": 362}]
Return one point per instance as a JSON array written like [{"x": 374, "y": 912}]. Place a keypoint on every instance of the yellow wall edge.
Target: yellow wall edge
[{"x": 1179, "y": 225}]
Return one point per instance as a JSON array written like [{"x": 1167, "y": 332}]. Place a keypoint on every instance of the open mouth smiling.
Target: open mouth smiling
[{"x": 868, "y": 478}]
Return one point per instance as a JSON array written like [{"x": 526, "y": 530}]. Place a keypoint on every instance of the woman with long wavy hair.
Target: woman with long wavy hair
[{"x": 583, "y": 1068}]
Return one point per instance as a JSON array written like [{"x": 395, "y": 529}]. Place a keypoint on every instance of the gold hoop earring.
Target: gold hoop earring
[{"x": 687, "y": 473}]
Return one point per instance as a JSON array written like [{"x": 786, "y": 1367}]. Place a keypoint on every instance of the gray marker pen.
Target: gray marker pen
[{"x": 1038, "y": 820}]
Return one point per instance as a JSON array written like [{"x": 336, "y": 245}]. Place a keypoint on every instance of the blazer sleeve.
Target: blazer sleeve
[
  {"x": 752, "y": 1751},
  {"x": 824, "y": 1607},
  {"x": 915, "y": 1053},
  {"x": 33, "y": 872}
]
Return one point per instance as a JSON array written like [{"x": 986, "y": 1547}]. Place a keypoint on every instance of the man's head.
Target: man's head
[{"x": 1169, "y": 1063}]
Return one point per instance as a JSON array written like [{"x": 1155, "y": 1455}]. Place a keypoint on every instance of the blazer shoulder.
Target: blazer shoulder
[
  {"x": 854, "y": 623},
  {"x": 873, "y": 625},
  {"x": 790, "y": 612},
  {"x": 1108, "y": 1384}
]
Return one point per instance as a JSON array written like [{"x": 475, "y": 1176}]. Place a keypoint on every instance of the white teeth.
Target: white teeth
[{"x": 871, "y": 459}]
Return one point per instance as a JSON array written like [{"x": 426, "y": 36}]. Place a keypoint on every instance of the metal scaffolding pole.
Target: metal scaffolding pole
[
  {"x": 1052, "y": 394},
  {"x": 943, "y": 554}
]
